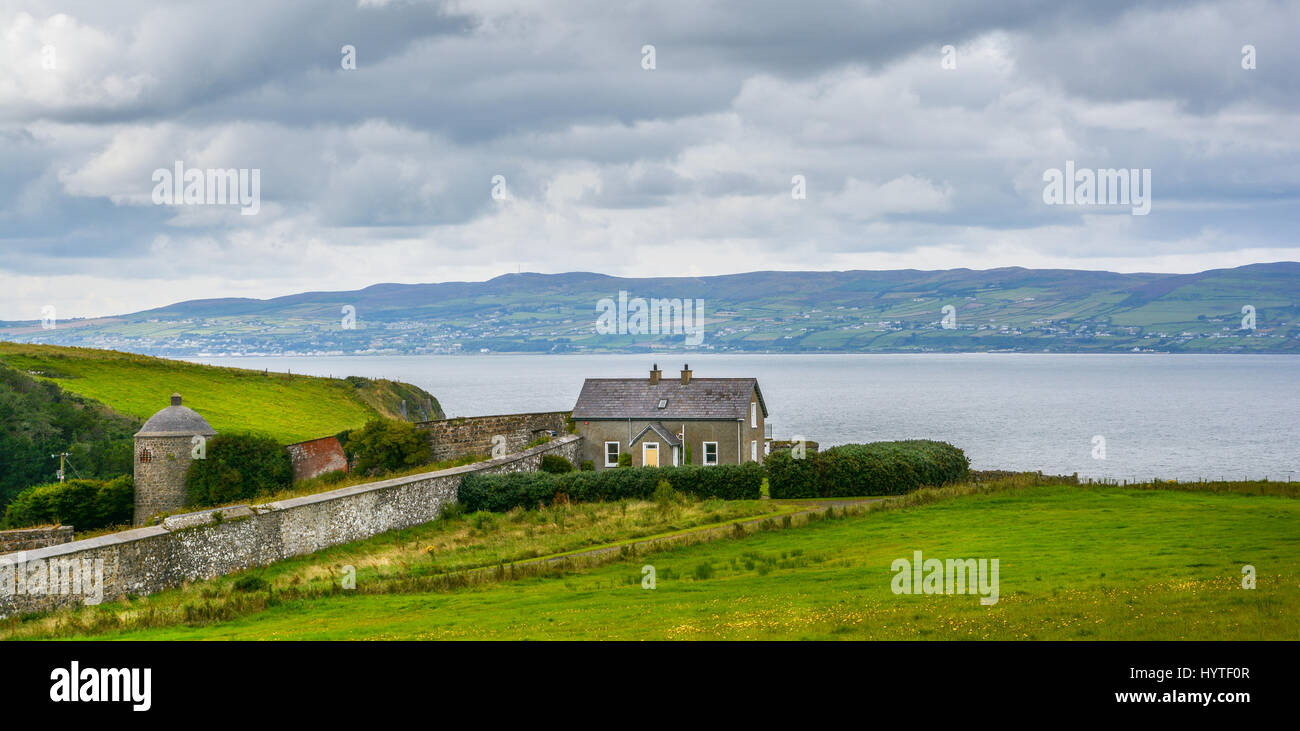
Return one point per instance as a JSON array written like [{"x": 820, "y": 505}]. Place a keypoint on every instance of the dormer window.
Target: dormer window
[{"x": 663, "y": 403}]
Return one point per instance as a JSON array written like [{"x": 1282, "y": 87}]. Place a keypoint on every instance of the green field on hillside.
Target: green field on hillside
[
  {"x": 1075, "y": 563},
  {"x": 289, "y": 408}
]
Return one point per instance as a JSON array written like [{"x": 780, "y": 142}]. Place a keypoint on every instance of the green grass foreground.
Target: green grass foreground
[
  {"x": 1075, "y": 563},
  {"x": 288, "y": 408},
  {"x": 454, "y": 552}
]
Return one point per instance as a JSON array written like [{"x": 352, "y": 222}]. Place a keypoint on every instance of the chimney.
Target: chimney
[
  {"x": 686, "y": 374},
  {"x": 654, "y": 375},
  {"x": 176, "y": 399}
]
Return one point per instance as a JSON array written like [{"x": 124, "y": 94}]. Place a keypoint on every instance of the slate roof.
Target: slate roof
[
  {"x": 724, "y": 399},
  {"x": 664, "y": 433},
  {"x": 175, "y": 421}
]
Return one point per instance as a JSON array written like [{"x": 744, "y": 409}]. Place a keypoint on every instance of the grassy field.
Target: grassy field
[
  {"x": 289, "y": 408},
  {"x": 455, "y": 550},
  {"x": 1075, "y": 563}
]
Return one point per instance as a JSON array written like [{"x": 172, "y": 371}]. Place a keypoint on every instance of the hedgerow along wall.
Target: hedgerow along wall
[{"x": 201, "y": 545}]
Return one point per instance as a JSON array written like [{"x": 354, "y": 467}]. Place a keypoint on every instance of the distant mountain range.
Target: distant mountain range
[{"x": 957, "y": 310}]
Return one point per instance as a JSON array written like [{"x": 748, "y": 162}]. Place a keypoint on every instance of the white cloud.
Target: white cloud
[{"x": 384, "y": 174}]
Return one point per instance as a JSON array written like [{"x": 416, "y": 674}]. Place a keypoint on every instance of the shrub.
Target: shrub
[
  {"x": 625, "y": 459},
  {"x": 250, "y": 582},
  {"x": 555, "y": 464},
  {"x": 388, "y": 445},
  {"x": 83, "y": 504},
  {"x": 587, "y": 466},
  {"x": 115, "y": 503},
  {"x": 499, "y": 493},
  {"x": 452, "y": 511},
  {"x": 238, "y": 467},
  {"x": 665, "y": 497},
  {"x": 878, "y": 468}
]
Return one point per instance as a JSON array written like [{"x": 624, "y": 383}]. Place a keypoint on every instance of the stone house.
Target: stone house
[{"x": 664, "y": 422}]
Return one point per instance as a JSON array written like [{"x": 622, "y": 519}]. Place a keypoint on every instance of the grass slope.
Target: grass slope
[
  {"x": 1075, "y": 563},
  {"x": 289, "y": 408},
  {"x": 454, "y": 547}
]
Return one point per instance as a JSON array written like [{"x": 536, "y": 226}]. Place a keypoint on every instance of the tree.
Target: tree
[
  {"x": 238, "y": 467},
  {"x": 387, "y": 445},
  {"x": 38, "y": 419},
  {"x": 83, "y": 504}
]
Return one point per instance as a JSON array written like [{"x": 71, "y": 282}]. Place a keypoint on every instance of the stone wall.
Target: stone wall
[
  {"x": 472, "y": 435},
  {"x": 160, "y": 466},
  {"x": 210, "y": 543},
  {"x": 26, "y": 539},
  {"x": 315, "y": 457}
]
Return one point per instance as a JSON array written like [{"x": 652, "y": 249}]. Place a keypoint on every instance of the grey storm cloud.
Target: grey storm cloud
[{"x": 906, "y": 163}]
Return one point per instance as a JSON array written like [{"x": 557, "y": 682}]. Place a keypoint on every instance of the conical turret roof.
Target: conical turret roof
[{"x": 176, "y": 421}]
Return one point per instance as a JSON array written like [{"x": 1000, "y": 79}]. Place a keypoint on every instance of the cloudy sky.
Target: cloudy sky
[{"x": 384, "y": 172}]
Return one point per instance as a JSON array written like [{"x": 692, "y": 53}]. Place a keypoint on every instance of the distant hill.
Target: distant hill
[
  {"x": 1008, "y": 309},
  {"x": 289, "y": 408}
]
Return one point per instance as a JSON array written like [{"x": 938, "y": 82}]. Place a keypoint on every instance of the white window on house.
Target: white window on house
[
  {"x": 753, "y": 415},
  {"x": 753, "y": 451},
  {"x": 710, "y": 453},
  {"x": 611, "y": 454}
]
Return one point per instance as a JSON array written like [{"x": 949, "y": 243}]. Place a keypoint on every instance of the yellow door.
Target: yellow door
[{"x": 650, "y": 454}]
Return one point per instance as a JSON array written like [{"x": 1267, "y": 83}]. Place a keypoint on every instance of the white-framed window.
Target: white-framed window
[
  {"x": 611, "y": 454},
  {"x": 753, "y": 415},
  {"x": 710, "y": 453},
  {"x": 753, "y": 451}
]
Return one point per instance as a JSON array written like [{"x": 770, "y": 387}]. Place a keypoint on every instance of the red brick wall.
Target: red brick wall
[{"x": 316, "y": 457}]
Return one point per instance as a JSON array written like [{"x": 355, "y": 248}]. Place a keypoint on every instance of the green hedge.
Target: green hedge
[
  {"x": 83, "y": 504},
  {"x": 499, "y": 493},
  {"x": 878, "y": 468}
]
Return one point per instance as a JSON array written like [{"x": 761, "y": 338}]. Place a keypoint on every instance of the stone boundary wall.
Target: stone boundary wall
[
  {"x": 472, "y": 435},
  {"x": 26, "y": 539},
  {"x": 210, "y": 543}
]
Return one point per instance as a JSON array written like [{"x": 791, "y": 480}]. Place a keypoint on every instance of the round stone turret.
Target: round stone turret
[{"x": 164, "y": 448}]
